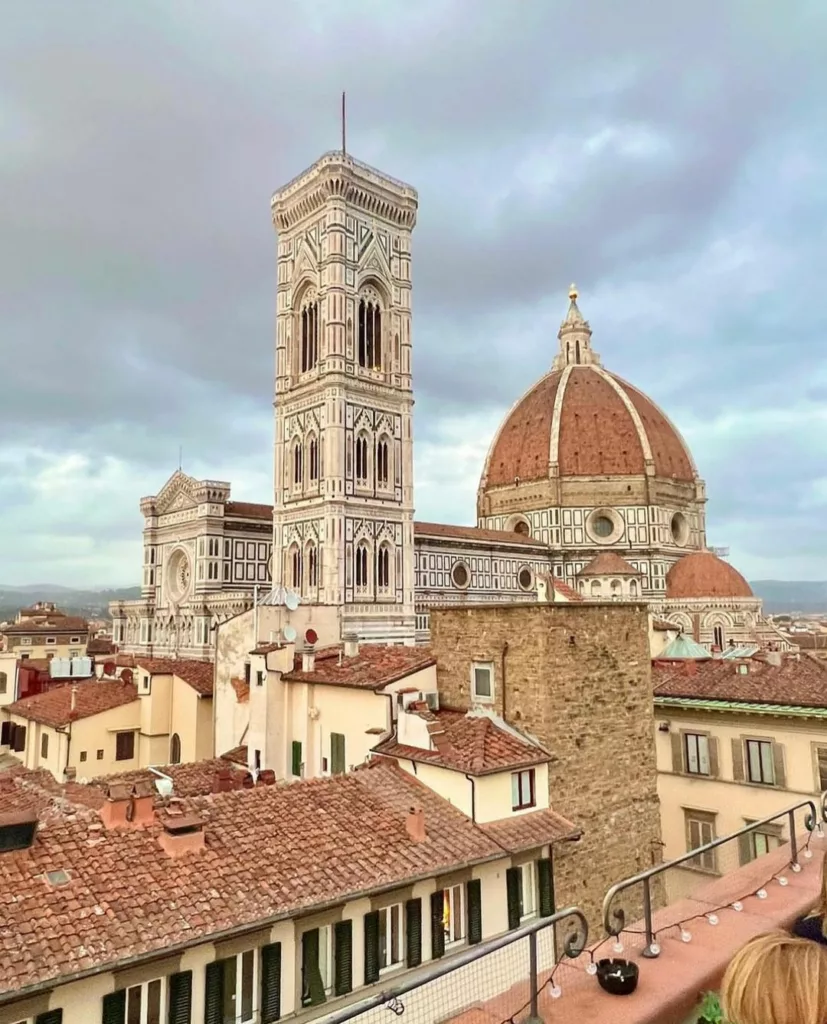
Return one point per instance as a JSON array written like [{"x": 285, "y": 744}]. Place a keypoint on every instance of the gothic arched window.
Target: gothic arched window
[
  {"x": 382, "y": 462},
  {"x": 298, "y": 464},
  {"x": 383, "y": 567},
  {"x": 309, "y": 333},
  {"x": 362, "y": 459},
  {"x": 175, "y": 749},
  {"x": 360, "y": 567},
  {"x": 295, "y": 567},
  {"x": 312, "y": 566},
  {"x": 370, "y": 333},
  {"x": 313, "y": 460}
]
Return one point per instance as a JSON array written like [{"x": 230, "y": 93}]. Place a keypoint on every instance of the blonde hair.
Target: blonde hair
[
  {"x": 821, "y": 907},
  {"x": 777, "y": 979}
]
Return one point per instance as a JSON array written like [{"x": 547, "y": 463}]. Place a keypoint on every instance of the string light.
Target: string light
[
  {"x": 618, "y": 946},
  {"x": 685, "y": 935},
  {"x": 712, "y": 918},
  {"x": 782, "y": 880},
  {"x": 555, "y": 992},
  {"x": 654, "y": 948},
  {"x": 592, "y": 969},
  {"x": 738, "y": 906},
  {"x": 761, "y": 894},
  {"x": 797, "y": 867}
]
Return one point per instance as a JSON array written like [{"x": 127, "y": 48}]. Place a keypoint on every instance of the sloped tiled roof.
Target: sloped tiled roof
[
  {"x": 469, "y": 742},
  {"x": 608, "y": 563},
  {"x": 796, "y": 683},
  {"x": 569, "y": 593},
  {"x": 53, "y": 623},
  {"x": 54, "y": 706},
  {"x": 528, "y": 831},
  {"x": 192, "y": 778},
  {"x": 684, "y": 646},
  {"x": 326, "y": 841},
  {"x": 476, "y": 533},
  {"x": 375, "y": 666},
  {"x": 248, "y": 510},
  {"x": 198, "y": 674}
]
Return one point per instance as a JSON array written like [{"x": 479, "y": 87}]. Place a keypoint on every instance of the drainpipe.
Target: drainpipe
[
  {"x": 505, "y": 699},
  {"x": 473, "y": 782}
]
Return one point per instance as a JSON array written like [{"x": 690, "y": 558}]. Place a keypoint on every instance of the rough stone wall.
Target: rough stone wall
[{"x": 578, "y": 677}]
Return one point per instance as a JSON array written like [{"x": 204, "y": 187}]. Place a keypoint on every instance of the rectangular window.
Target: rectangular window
[
  {"x": 230, "y": 989},
  {"x": 44, "y": 745},
  {"x": 700, "y": 830},
  {"x": 696, "y": 753},
  {"x": 296, "y": 758},
  {"x": 74, "y": 639},
  {"x": 522, "y": 790},
  {"x": 124, "y": 746},
  {"x": 337, "y": 753},
  {"x": 83, "y": 755},
  {"x": 760, "y": 766},
  {"x": 259, "y": 679},
  {"x": 26, "y": 641},
  {"x": 528, "y": 890},
  {"x": 482, "y": 682},
  {"x": 51, "y": 640},
  {"x": 99, "y": 755},
  {"x": 139, "y": 1004},
  {"x": 820, "y": 759},
  {"x": 453, "y": 914},
  {"x": 390, "y": 936},
  {"x": 317, "y": 965}
]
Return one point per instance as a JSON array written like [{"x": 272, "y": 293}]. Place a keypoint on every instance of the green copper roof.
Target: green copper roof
[
  {"x": 704, "y": 704},
  {"x": 684, "y": 647}
]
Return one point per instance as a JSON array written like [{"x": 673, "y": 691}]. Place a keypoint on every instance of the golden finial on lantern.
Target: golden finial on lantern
[{"x": 573, "y": 292}]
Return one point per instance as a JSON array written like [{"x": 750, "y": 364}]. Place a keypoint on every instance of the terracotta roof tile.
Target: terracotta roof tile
[
  {"x": 608, "y": 563},
  {"x": 198, "y": 674},
  {"x": 801, "y": 683},
  {"x": 248, "y": 510},
  {"x": 327, "y": 840},
  {"x": 242, "y": 689},
  {"x": 527, "y": 831},
  {"x": 193, "y": 778},
  {"x": 375, "y": 666},
  {"x": 97, "y": 646},
  {"x": 238, "y": 755},
  {"x": 703, "y": 574},
  {"x": 664, "y": 626},
  {"x": 566, "y": 591},
  {"x": 476, "y": 534},
  {"x": 54, "y": 706},
  {"x": 52, "y": 624},
  {"x": 475, "y": 743}
]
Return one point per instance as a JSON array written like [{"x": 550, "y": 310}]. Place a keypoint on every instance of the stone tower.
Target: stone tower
[{"x": 343, "y": 509}]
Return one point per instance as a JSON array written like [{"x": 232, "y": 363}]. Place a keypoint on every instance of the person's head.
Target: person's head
[
  {"x": 777, "y": 979},
  {"x": 821, "y": 909}
]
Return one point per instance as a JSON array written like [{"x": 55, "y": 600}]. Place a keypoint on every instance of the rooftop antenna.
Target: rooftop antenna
[
  {"x": 180, "y": 457},
  {"x": 344, "y": 126}
]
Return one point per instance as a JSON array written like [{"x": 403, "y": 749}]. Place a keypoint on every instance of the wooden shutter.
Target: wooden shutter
[
  {"x": 296, "y": 758},
  {"x": 545, "y": 879},
  {"x": 779, "y": 769},
  {"x": 714, "y": 760},
  {"x": 821, "y": 769},
  {"x": 343, "y": 953},
  {"x": 371, "y": 947},
  {"x": 5, "y": 733},
  {"x": 512, "y": 894},
  {"x": 19, "y": 739},
  {"x": 270, "y": 983},
  {"x": 214, "y": 993},
  {"x": 745, "y": 849},
  {"x": 49, "y": 1017},
  {"x": 738, "y": 760},
  {"x": 437, "y": 924},
  {"x": 473, "y": 904},
  {"x": 180, "y": 998},
  {"x": 114, "y": 1007},
  {"x": 337, "y": 753},
  {"x": 313, "y": 992},
  {"x": 413, "y": 933},
  {"x": 677, "y": 751}
]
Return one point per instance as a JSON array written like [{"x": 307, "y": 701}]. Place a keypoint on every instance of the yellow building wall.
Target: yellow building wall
[
  {"x": 98, "y": 732},
  {"x": 38, "y": 648},
  {"x": 733, "y": 802},
  {"x": 191, "y": 719}
]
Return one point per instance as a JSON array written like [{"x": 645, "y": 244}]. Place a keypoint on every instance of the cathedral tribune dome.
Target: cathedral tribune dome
[
  {"x": 701, "y": 574},
  {"x": 582, "y": 421}
]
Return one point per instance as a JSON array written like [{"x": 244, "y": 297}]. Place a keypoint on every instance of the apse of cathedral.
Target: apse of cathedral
[{"x": 588, "y": 491}]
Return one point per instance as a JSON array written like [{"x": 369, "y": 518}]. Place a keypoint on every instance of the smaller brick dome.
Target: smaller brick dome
[{"x": 702, "y": 574}]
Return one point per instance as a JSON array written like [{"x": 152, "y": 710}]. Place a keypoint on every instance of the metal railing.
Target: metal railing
[
  {"x": 573, "y": 945},
  {"x": 614, "y": 920}
]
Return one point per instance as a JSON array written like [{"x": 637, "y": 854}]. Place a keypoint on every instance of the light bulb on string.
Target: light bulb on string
[
  {"x": 712, "y": 918},
  {"x": 654, "y": 949},
  {"x": 555, "y": 992},
  {"x": 761, "y": 894},
  {"x": 686, "y": 936},
  {"x": 782, "y": 880},
  {"x": 592, "y": 969},
  {"x": 797, "y": 867},
  {"x": 738, "y": 905},
  {"x": 618, "y": 946},
  {"x": 820, "y": 831},
  {"x": 808, "y": 853}
]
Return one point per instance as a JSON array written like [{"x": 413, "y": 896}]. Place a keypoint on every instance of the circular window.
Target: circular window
[
  {"x": 602, "y": 526},
  {"x": 179, "y": 574},
  {"x": 459, "y": 574},
  {"x": 525, "y": 577},
  {"x": 680, "y": 528},
  {"x": 521, "y": 528}
]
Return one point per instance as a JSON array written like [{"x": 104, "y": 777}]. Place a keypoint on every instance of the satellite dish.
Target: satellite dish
[
  {"x": 164, "y": 786},
  {"x": 289, "y": 634},
  {"x": 291, "y": 600},
  {"x": 311, "y": 636},
  {"x": 109, "y": 668},
  {"x": 126, "y": 675}
]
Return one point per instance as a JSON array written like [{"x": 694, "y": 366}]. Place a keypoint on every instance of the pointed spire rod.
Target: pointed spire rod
[{"x": 344, "y": 126}]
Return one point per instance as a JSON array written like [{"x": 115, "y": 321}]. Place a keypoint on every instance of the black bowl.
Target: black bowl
[{"x": 619, "y": 977}]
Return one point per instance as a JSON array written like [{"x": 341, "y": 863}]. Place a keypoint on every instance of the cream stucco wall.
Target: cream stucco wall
[
  {"x": 733, "y": 803},
  {"x": 8, "y": 668},
  {"x": 81, "y": 1000}
]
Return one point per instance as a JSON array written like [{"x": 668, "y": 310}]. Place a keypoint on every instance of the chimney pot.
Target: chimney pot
[
  {"x": 117, "y": 811},
  {"x": 223, "y": 781},
  {"x": 351, "y": 642},
  {"x": 415, "y": 824},
  {"x": 181, "y": 835},
  {"x": 309, "y": 658}
]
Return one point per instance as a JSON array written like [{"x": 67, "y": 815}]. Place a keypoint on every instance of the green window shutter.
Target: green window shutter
[
  {"x": 714, "y": 760},
  {"x": 437, "y": 927},
  {"x": 270, "y": 983},
  {"x": 343, "y": 953},
  {"x": 512, "y": 894},
  {"x": 49, "y": 1017},
  {"x": 677, "y": 752},
  {"x": 180, "y": 998},
  {"x": 313, "y": 992},
  {"x": 214, "y": 993},
  {"x": 473, "y": 905},
  {"x": 413, "y": 932},
  {"x": 296, "y": 759},
  {"x": 737, "y": 760},
  {"x": 371, "y": 947},
  {"x": 545, "y": 879},
  {"x": 779, "y": 769},
  {"x": 337, "y": 753},
  {"x": 114, "y": 1007}
]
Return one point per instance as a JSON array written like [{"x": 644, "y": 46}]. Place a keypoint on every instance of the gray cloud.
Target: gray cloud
[{"x": 613, "y": 143}]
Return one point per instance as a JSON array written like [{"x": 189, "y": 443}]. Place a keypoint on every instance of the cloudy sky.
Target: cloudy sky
[{"x": 668, "y": 157}]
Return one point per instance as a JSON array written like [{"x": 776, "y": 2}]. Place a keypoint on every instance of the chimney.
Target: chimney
[
  {"x": 143, "y": 804},
  {"x": 351, "y": 645},
  {"x": 223, "y": 781},
  {"x": 74, "y": 705},
  {"x": 309, "y": 658},
  {"x": 415, "y": 824},
  {"x": 182, "y": 834},
  {"x": 117, "y": 811},
  {"x": 266, "y": 777}
]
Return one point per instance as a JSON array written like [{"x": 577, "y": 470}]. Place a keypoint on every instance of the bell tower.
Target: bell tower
[
  {"x": 343, "y": 509},
  {"x": 575, "y": 337}
]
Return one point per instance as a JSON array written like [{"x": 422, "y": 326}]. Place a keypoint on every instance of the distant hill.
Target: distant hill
[
  {"x": 805, "y": 596},
  {"x": 91, "y": 604}
]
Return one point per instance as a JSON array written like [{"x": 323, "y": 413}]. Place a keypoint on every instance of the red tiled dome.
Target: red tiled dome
[
  {"x": 702, "y": 574},
  {"x": 585, "y": 421}
]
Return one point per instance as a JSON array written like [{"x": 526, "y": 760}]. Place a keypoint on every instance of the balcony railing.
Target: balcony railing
[{"x": 478, "y": 974}]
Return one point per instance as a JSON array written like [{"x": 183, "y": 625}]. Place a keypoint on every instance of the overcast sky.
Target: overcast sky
[{"x": 668, "y": 157}]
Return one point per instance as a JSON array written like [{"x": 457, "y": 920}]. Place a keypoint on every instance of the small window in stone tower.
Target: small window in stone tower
[
  {"x": 313, "y": 459},
  {"x": 382, "y": 463},
  {"x": 370, "y": 334},
  {"x": 309, "y": 335},
  {"x": 362, "y": 459}
]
